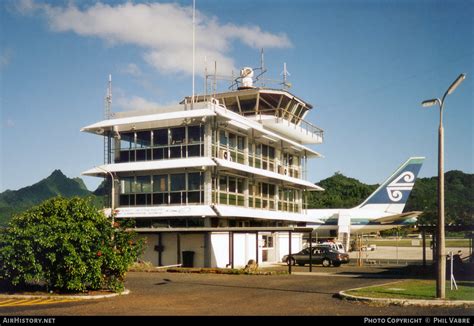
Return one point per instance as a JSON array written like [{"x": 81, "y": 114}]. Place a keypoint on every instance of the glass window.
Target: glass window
[
  {"x": 240, "y": 143},
  {"x": 126, "y": 185},
  {"x": 223, "y": 183},
  {"x": 126, "y": 141},
  {"x": 143, "y": 184},
  {"x": 194, "y": 197},
  {"x": 124, "y": 200},
  {"x": 178, "y": 135},
  {"x": 194, "y": 181},
  {"x": 178, "y": 182},
  {"x": 176, "y": 151},
  {"x": 232, "y": 184},
  {"x": 160, "y": 199},
  {"x": 125, "y": 156},
  {"x": 160, "y": 183},
  {"x": 195, "y": 134},
  {"x": 258, "y": 150},
  {"x": 175, "y": 198},
  {"x": 271, "y": 152},
  {"x": 194, "y": 150},
  {"x": 143, "y": 139},
  {"x": 271, "y": 190},
  {"x": 160, "y": 153},
  {"x": 240, "y": 186},
  {"x": 232, "y": 141},
  {"x": 223, "y": 140},
  {"x": 160, "y": 137}
]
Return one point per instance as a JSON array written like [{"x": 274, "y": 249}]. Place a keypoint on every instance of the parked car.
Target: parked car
[
  {"x": 321, "y": 255},
  {"x": 333, "y": 245}
]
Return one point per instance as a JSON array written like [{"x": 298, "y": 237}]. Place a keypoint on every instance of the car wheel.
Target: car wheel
[
  {"x": 326, "y": 262},
  {"x": 336, "y": 264},
  {"x": 290, "y": 261}
]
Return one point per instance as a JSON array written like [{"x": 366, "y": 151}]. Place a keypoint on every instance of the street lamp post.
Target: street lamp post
[
  {"x": 112, "y": 199},
  {"x": 441, "y": 264}
]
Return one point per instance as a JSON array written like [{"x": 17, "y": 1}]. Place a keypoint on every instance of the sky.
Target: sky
[{"x": 365, "y": 66}]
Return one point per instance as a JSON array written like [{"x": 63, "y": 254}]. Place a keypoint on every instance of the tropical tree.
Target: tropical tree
[{"x": 67, "y": 245}]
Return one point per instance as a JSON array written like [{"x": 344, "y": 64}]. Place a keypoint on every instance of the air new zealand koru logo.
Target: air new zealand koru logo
[{"x": 404, "y": 182}]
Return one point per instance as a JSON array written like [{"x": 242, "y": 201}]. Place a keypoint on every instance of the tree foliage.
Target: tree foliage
[
  {"x": 459, "y": 198},
  {"x": 66, "y": 245},
  {"x": 340, "y": 192}
]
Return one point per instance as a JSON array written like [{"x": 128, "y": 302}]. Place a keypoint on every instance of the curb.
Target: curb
[
  {"x": 404, "y": 302},
  {"x": 52, "y": 296}
]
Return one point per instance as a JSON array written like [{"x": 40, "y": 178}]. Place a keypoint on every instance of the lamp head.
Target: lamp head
[
  {"x": 429, "y": 103},
  {"x": 456, "y": 83}
]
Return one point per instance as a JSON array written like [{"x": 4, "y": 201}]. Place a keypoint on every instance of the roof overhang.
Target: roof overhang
[
  {"x": 165, "y": 211},
  {"x": 195, "y": 162},
  {"x": 268, "y": 174},
  {"x": 148, "y": 121},
  {"x": 243, "y": 212}
]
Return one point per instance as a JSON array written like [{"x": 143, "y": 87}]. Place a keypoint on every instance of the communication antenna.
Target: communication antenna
[
  {"x": 214, "y": 91},
  {"x": 285, "y": 73},
  {"x": 194, "y": 48},
  {"x": 108, "y": 100}
]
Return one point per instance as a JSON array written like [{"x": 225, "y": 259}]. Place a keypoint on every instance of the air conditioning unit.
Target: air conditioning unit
[
  {"x": 225, "y": 154},
  {"x": 282, "y": 170}
]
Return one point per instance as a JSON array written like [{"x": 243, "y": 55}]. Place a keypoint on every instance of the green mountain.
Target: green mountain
[
  {"x": 56, "y": 184},
  {"x": 339, "y": 192},
  {"x": 344, "y": 192},
  {"x": 459, "y": 198}
]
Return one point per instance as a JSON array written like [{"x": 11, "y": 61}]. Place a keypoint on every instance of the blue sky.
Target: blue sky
[{"x": 364, "y": 65}]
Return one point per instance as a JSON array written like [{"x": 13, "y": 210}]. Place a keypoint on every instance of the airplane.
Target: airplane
[{"x": 382, "y": 210}]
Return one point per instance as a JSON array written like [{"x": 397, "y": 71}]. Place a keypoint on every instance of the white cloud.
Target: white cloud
[
  {"x": 135, "y": 103},
  {"x": 164, "y": 31},
  {"x": 132, "y": 69},
  {"x": 5, "y": 58},
  {"x": 10, "y": 123}
]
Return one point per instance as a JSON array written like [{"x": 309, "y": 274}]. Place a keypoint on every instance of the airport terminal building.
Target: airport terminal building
[{"x": 213, "y": 181}]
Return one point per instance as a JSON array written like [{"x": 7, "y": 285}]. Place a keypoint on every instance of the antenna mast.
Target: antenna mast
[
  {"x": 194, "y": 47},
  {"x": 285, "y": 74},
  {"x": 108, "y": 115}
]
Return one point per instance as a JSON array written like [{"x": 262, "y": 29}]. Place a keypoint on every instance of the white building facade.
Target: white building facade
[{"x": 216, "y": 182}]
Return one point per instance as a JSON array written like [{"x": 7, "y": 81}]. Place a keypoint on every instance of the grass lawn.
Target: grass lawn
[{"x": 416, "y": 289}]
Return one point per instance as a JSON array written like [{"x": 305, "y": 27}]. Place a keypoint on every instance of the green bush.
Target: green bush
[{"x": 66, "y": 245}]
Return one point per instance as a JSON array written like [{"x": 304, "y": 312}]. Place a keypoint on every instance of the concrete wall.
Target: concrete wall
[
  {"x": 219, "y": 249},
  {"x": 281, "y": 248},
  {"x": 150, "y": 255},
  {"x": 217, "y": 253}
]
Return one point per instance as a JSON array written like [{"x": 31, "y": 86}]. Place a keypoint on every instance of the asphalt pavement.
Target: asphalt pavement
[{"x": 185, "y": 294}]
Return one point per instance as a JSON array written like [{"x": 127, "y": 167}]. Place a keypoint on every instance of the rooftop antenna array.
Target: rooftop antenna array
[
  {"x": 285, "y": 73},
  {"x": 210, "y": 83}
]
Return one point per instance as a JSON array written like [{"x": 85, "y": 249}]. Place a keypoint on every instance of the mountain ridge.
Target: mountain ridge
[{"x": 56, "y": 184}]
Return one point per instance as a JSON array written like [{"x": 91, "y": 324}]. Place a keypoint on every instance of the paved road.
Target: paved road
[
  {"x": 394, "y": 254},
  {"x": 176, "y": 294}
]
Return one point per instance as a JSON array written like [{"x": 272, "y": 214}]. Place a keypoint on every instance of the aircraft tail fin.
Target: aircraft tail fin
[{"x": 393, "y": 194}]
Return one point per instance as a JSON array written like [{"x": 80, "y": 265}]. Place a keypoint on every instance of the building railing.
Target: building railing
[{"x": 294, "y": 121}]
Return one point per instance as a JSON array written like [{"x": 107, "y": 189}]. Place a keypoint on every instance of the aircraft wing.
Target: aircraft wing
[{"x": 398, "y": 217}]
